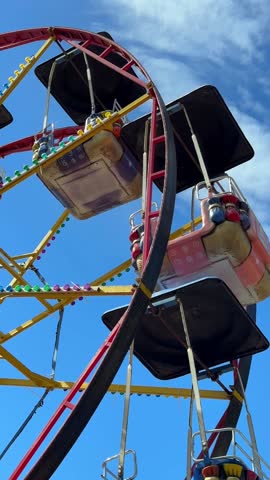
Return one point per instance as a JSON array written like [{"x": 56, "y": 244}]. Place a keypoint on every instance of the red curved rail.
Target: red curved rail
[
  {"x": 23, "y": 37},
  {"x": 25, "y": 144}
]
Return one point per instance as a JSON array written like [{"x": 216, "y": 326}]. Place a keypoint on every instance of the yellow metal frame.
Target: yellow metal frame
[
  {"x": 76, "y": 143},
  {"x": 26, "y": 68},
  {"x": 117, "y": 388},
  {"x": 17, "y": 271},
  {"x": 34, "y": 379}
]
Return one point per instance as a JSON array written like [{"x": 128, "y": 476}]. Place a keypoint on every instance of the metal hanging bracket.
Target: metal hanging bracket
[{"x": 107, "y": 472}]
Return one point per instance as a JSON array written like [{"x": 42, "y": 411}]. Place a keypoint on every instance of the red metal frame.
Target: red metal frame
[
  {"x": 151, "y": 176},
  {"x": 105, "y": 62},
  {"x": 23, "y": 37}
]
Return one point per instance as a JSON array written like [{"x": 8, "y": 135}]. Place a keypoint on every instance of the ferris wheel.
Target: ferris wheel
[{"x": 218, "y": 262}]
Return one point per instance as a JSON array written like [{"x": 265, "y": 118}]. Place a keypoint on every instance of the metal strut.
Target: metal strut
[
  {"x": 125, "y": 415},
  {"x": 47, "y": 106},
  {"x": 195, "y": 384},
  {"x": 90, "y": 84},
  {"x": 198, "y": 150},
  {"x": 189, "y": 442},
  {"x": 123, "y": 452}
]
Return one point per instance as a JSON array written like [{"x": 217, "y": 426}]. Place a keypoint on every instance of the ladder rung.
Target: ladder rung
[
  {"x": 86, "y": 43},
  {"x": 159, "y": 174},
  {"x": 154, "y": 214},
  {"x": 69, "y": 405},
  {"x": 128, "y": 65},
  {"x": 106, "y": 52},
  {"x": 159, "y": 139}
]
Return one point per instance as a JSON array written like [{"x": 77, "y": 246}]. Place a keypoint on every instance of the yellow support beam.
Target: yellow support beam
[
  {"x": 24, "y": 382},
  {"x": 22, "y": 256},
  {"x": 96, "y": 291},
  {"x": 237, "y": 395},
  {"x": 42, "y": 244},
  {"x": 75, "y": 143},
  {"x": 169, "y": 392},
  {"x": 135, "y": 389},
  {"x": 30, "y": 323},
  {"x": 23, "y": 72},
  {"x": 17, "y": 277},
  {"x": 35, "y": 377},
  {"x": 18, "y": 280}
]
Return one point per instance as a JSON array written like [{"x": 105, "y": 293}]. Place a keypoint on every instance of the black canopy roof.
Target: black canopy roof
[
  {"x": 70, "y": 87},
  {"x": 219, "y": 327},
  {"x": 221, "y": 140}
]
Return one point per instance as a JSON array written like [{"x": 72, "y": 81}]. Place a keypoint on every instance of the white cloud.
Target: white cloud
[
  {"x": 184, "y": 44},
  {"x": 173, "y": 79},
  {"x": 248, "y": 102},
  {"x": 196, "y": 28}
]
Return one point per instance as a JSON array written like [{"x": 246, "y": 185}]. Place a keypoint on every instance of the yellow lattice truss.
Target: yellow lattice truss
[{"x": 62, "y": 299}]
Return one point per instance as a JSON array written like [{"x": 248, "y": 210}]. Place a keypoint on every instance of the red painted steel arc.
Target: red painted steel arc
[
  {"x": 151, "y": 166},
  {"x": 25, "y": 144},
  {"x": 24, "y": 37}
]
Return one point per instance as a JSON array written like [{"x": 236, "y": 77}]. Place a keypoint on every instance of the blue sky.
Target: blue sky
[{"x": 183, "y": 45}]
